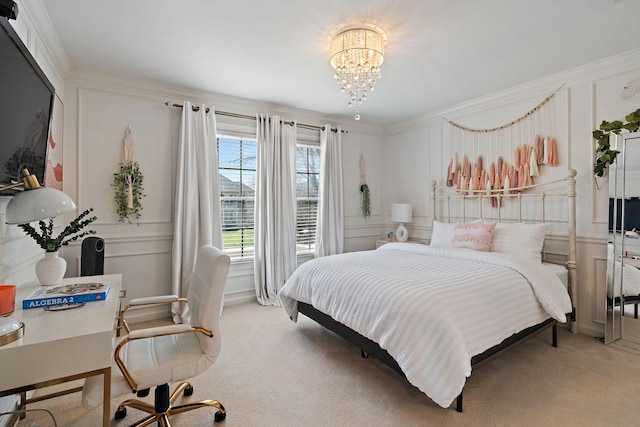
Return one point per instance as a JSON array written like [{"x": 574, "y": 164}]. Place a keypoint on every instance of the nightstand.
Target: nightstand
[{"x": 382, "y": 242}]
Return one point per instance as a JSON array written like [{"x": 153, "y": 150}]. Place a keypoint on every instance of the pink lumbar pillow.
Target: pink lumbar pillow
[{"x": 476, "y": 236}]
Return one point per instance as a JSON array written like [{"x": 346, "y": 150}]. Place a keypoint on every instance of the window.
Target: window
[
  {"x": 237, "y": 167},
  {"x": 237, "y": 174},
  {"x": 307, "y": 182}
]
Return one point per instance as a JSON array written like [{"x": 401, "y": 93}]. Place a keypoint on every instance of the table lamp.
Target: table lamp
[
  {"x": 35, "y": 203},
  {"x": 402, "y": 213}
]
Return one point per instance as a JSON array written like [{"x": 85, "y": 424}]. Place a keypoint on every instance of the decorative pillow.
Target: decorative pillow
[
  {"x": 521, "y": 240},
  {"x": 473, "y": 235},
  {"x": 442, "y": 234}
]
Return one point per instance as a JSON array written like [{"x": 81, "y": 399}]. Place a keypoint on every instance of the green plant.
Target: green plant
[
  {"x": 128, "y": 207},
  {"x": 605, "y": 155},
  {"x": 51, "y": 244},
  {"x": 366, "y": 200}
]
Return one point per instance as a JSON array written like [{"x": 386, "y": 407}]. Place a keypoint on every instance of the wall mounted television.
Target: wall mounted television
[
  {"x": 26, "y": 104},
  {"x": 631, "y": 214}
]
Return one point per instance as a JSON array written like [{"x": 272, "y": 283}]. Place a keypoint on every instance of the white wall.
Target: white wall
[{"x": 417, "y": 152}]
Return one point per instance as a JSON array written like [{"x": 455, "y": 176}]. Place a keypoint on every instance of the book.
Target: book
[{"x": 48, "y": 296}]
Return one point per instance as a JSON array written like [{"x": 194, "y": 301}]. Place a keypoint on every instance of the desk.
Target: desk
[{"x": 61, "y": 346}]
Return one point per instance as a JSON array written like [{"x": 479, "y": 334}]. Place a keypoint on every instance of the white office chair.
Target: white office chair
[{"x": 157, "y": 356}]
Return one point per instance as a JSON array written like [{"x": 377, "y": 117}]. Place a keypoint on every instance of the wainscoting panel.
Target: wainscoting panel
[{"x": 600, "y": 284}]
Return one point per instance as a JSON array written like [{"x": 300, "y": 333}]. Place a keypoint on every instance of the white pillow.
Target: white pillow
[
  {"x": 442, "y": 234},
  {"x": 521, "y": 240}
]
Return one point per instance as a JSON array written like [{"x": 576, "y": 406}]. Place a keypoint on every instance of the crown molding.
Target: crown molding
[{"x": 587, "y": 73}]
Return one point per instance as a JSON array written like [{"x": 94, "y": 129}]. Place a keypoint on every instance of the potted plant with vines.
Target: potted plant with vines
[
  {"x": 365, "y": 204},
  {"x": 605, "y": 155},
  {"x": 50, "y": 270},
  {"x": 127, "y": 183}
]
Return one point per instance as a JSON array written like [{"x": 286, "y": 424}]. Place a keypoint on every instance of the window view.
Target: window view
[
  {"x": 237, "y": 169},
  {"x": 307, "y": 182}
]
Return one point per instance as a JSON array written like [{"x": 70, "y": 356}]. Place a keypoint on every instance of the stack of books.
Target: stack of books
[{"x": 57, "y": 295}]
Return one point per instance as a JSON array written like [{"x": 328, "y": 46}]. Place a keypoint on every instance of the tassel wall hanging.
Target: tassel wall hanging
[{"x": 505, "y": 159}]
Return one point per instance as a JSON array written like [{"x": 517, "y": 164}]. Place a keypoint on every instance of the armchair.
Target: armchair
[{"x": 157, "y": 356}]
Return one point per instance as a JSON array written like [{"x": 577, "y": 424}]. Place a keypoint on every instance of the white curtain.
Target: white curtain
[
  {"x": 196, "y": 217},
  {"x": 330, "y": 227},
  {"x": 275, "y": 215}
]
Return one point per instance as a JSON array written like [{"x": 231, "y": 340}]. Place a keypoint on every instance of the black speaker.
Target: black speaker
[{"x": 92, "y": 258}]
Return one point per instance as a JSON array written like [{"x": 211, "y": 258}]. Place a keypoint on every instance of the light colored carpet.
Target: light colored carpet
[{"x": 272, "y": 372}]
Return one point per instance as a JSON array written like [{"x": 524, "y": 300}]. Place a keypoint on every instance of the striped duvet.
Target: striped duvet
[{"x": 432, "y": 309}]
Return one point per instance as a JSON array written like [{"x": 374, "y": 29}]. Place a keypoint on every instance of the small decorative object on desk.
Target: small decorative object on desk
[
  {"x": 390, "y": 235},
  {"x": 50, "y": 270},
  {"x": 66, "y": 294}
]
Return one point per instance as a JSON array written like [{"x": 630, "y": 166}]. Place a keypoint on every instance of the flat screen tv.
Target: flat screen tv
[
  {"x": 26, "y": 103},
  {"x": 631, "y": 214}
]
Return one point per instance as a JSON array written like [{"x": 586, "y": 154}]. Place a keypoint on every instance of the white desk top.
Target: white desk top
[{"x": 57, "y": 344}]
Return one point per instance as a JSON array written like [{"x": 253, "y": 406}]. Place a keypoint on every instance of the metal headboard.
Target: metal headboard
[{"x": 446, "y": 200}]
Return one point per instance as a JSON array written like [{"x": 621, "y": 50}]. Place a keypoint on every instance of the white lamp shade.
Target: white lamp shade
[
  {"x": 401, "y": 212},
  {"x": 38, "y": 204}
]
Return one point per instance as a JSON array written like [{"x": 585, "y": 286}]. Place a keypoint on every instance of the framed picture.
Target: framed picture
[{"x": 53, "y": 174}]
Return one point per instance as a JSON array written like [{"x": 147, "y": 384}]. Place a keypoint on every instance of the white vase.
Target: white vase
[{"x": 50, "y": 269}]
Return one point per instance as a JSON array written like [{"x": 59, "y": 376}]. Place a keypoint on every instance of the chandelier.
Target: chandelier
[{"x": 356, "y": 55}]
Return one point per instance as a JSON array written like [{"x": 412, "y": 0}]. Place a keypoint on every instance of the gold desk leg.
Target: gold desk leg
[
  {"x": 106, "y": 398},
  {"x": 22, "y": 405}
]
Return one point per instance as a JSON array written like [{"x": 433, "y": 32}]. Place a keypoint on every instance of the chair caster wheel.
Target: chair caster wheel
[
  {"x": 188, "y": 391},
  {"x": 219, "y": 416},
  {"x": 120, "y": 413},
  {"x": 143, "y": 393}
]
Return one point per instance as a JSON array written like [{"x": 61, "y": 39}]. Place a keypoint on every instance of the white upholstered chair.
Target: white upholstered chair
[{"x": 157, "y": 356}]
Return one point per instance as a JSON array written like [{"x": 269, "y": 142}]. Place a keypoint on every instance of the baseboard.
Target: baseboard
[
  {"x": 594, "y": 332},
  {"x": 164, "y": 312},
  {"x": 240, "y": 297}
]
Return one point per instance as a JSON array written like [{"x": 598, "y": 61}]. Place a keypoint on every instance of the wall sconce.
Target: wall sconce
[{"x": 402, "y": 213}]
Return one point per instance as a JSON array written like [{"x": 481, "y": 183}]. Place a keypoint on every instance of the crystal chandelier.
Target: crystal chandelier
[{"x": 356, "y": 55}]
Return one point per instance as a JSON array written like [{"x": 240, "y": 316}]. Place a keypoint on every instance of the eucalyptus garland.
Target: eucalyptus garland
[
  {"x": 366, "y": 200},
  {"x": 128, "y": 176}
]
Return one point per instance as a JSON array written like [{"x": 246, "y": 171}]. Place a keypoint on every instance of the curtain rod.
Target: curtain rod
[{"x": 246, "y": 116}]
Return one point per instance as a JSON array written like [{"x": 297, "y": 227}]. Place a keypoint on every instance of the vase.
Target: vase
[{"x": 50, "y": 269}]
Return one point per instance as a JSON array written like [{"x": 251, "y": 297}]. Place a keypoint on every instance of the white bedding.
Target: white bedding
[
  {"x": 560, "y": 271},
  {"x": 432, "y": 309},
  {"x": 627, "y": 277}
]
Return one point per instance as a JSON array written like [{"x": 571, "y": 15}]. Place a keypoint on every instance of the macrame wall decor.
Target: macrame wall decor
[
  {"x": 127, "y": 183},
  {"x": 515, "y": 152}
]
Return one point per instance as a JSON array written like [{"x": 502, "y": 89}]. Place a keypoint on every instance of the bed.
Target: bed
[{"x": 433, "y": 312}]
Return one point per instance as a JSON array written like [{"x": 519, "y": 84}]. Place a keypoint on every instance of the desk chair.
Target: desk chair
[{"x": 157, "y": 356}]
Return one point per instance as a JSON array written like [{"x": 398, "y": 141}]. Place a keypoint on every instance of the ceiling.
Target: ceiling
[{"x": 439, "y": 52}]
